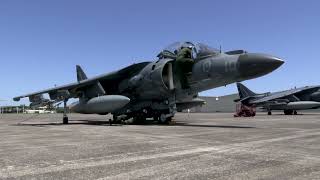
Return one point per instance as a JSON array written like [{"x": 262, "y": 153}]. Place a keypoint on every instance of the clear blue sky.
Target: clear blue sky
[{"x": 41, "y": 41}]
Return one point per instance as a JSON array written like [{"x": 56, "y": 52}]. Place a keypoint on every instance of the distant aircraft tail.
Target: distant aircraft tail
[
  {"x": 244, "y": 92},
  {"x": 80, "y": 74},
  {"x": 92, "y": 90}
]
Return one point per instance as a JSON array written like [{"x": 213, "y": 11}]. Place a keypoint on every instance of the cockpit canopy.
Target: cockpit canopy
[{"x": 199, "y": 50}]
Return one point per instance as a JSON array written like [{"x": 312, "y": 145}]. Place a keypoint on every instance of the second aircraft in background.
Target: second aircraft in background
[{"x": 289, "y": 101}]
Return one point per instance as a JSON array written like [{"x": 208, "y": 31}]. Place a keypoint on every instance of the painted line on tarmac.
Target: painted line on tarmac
[{"x": 88, "y": 164}]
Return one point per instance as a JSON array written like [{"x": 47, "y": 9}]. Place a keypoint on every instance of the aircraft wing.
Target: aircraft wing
[
  {"x": 68, "y": 87},
  {"x": 283, "y": 95},
  {"x": 74, "y": 90}
]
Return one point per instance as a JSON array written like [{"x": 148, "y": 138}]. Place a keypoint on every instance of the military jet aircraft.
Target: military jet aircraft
[
  {"x": 289, "y": 101},
  {"x": 153, "y": 89}
]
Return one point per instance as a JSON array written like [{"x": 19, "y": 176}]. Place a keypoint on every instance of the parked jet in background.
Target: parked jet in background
[
  {"x": 154, "y": 89},
  {"x": 289, "y": 101}
]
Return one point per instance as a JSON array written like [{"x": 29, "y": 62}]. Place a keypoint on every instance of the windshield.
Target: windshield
[
  {"x": 199, "y": 50},
  {"x": 204, "y": 50}
]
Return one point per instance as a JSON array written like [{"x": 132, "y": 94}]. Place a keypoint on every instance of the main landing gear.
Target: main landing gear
[
  {"x": 290, "y": 112},
  {"x": 163, "y": 118},
  {"x": 118, "y": 119}
]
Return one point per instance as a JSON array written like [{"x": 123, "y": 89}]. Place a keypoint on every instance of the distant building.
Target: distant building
[
  {"x": 25, "y": 109},
  {"x": 12, "y": 109},
  {"x": 40, "y": 110}
]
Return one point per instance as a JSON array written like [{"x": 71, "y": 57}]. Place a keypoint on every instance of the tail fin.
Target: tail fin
[
  {"x": 244, "y": 91},
  {"x": 80, "y": 74}
]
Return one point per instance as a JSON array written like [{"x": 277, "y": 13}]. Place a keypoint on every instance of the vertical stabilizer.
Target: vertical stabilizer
[
  {"x": 244, "y": 91},
  {"x": 80, "y": 74}
]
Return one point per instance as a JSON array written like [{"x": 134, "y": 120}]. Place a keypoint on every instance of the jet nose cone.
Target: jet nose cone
[{"x": 253, "y": 65}]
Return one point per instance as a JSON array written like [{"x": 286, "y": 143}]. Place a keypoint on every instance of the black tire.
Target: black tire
[
  {"x": 162, "y": 119},
  {"x": 269, "y": 113},
  {"x": 65, "y": 120},
  {"x": 295, "y": 112},
  {"x": 169, "y": 119},
  {"x": 288, "y": 112}
]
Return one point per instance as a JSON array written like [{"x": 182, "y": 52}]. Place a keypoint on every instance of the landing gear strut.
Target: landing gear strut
[{"x": 65, "y": 119}]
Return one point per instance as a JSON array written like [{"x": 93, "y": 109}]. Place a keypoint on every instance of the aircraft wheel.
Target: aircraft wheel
[
  {"x": 295, "y": 112},
  {"x": 65, "y": 120},
  {"x": 162, "y": 119},
  {"x": 288, "y": 112},
  {"x": 169, "y": 119},
  {"x": 269, "y": 113}
]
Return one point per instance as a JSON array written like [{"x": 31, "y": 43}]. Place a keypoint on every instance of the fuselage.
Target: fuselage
[
  {"x": 156, "y": 81},
  {"x": 156, "y": 84},
  {"x": 156, "y": 87}
]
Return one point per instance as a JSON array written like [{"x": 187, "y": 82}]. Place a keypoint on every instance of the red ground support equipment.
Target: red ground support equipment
[{"x": 245, "y": 111}]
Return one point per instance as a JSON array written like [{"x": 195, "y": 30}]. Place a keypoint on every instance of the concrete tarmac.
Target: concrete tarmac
[{"x": 197, "y": 146}]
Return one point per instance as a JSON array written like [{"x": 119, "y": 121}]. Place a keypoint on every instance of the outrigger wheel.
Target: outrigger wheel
[{"x": 65, "y": 120}]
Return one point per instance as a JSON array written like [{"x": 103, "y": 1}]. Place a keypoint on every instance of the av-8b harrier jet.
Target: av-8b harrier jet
[
  {"x": 289, "y": 101},
  {"x": 158, "y": 89}
]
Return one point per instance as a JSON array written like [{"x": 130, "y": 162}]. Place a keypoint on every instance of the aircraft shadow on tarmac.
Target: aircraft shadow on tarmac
[
  {"x": 71, "y": 122},
  {"x": 147, "y": 123},
  {"x": 281, "y": 114}
]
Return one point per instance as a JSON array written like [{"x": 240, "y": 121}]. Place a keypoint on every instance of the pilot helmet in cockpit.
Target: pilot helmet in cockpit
[{"x": 189, "y": 47}]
